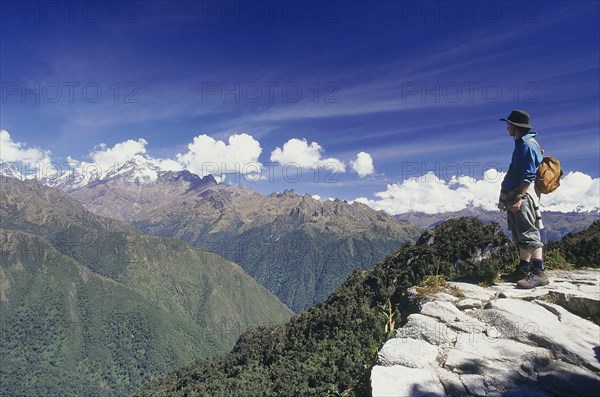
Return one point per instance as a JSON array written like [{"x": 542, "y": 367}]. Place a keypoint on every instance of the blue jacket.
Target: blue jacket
[{"x": 526, "y": 159}]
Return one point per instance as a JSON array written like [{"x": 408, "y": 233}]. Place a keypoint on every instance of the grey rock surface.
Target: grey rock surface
[
  {"x": 498, "y": 341},
  {"x": 398, "y": 380},
  {"x": 413, "y": 353}
]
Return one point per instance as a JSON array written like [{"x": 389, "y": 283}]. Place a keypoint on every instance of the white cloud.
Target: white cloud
[
  {"x": 577, "y": 191},
  {"x": 108, "y": 159},
  {"x": 209, "y": 156},
  {"x": 120, "y": 153},
  {"x": 300, "y": 153},
  {"x": 363, "y": 165},
  {"x": 168, "y": 164},
  {"x": 11, "y": 151},
  {"x": 429, "y": 194}
]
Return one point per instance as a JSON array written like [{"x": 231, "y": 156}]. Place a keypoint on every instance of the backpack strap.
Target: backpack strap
[{"x": 536, "y": 142}]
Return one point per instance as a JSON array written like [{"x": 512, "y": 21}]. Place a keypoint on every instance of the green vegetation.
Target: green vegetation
[
  {"x": 306, "y": 264},
  {"x": 299, "y": 248},
  {"x": 555, "y": 261},
  {"x": 300, "y": 261},
  {"x": 89, "y": 306},
  {"x": 581, "y": 248},
  {"x": 67, "y": 331},
  {"x": 331, "y": 348}
]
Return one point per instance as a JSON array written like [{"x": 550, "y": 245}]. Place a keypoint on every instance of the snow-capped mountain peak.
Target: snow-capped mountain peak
[
  {"x": 75, "y": 175},
  {"x": 9, "y": 170},
  {"x": 137, "y": 170}
]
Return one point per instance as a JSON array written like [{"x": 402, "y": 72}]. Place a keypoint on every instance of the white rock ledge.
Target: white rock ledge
[{"x": 498, "y": 341}]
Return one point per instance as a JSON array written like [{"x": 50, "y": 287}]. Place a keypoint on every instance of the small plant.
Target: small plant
[
  {"x": 554, "y": 260},
  {"x": 334, "y": 392},
  {"x": 455, "y": 291},
  {"x": 549, "y": 298},
  {"x": 431, "y": 285},
  {"x": 435, "y": 282},
  {"x": 391, "y": 316}
]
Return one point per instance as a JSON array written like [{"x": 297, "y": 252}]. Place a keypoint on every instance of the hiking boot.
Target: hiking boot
[
  {"x": 517, "y": 275},
  {"x": 536, "y": 278}
]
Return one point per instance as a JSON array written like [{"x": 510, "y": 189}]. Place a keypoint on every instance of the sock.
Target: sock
[
  {"x": 538, "y": 264},
  {"x": 524, "y": 265}
]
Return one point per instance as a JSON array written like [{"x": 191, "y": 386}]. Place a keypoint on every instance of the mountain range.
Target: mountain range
[
  {"x": 556, "y": 224},
  {"x": 298, "y": 247},
  {"x": 91, "y": 306}
]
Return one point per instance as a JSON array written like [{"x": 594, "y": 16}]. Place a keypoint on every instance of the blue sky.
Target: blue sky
[{"x": 418, "y": 86}]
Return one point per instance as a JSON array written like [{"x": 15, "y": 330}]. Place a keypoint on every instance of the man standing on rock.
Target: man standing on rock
[{"x": 519, "y": 198}]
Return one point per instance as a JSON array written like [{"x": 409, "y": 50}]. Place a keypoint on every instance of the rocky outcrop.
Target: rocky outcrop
[{"x": 469, "y": 340}]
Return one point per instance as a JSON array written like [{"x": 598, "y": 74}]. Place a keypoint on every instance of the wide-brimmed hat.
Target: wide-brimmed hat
[{"x": 520, "y": 118}]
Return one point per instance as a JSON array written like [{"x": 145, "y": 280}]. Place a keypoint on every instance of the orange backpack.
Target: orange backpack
[{"x": 549, "y": 173}]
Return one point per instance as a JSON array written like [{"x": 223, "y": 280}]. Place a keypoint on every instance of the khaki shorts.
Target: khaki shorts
[{"x": 522, "y": 225}]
